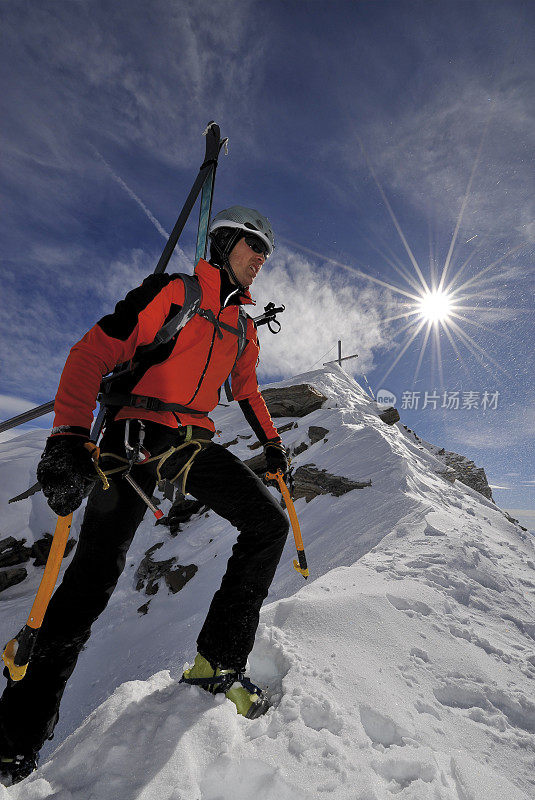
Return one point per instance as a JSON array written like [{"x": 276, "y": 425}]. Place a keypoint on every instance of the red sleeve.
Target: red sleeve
[
  {"x": 246, "y": 392},
  {"x": 113, "y": 340}
]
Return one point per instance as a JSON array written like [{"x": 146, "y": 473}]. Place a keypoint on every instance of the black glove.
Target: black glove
[
  {"x": 66, "y": 473},
  {"x": 276, "y": 458}
]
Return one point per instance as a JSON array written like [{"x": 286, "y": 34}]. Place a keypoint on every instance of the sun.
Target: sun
[{"x": 435, "y": 306}]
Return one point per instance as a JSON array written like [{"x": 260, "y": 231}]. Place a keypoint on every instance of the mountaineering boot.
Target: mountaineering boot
[
  {"x": 15, "y": 768},
  {"x": 250, "y": 700}
]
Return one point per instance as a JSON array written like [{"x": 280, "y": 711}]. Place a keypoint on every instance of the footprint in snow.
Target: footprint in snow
[
  {"x": 383, "y": 730},
  {"x": 404, "y": 771},
  {"x": 408, "y": 605},
  {"x": 319, "y": 714}
]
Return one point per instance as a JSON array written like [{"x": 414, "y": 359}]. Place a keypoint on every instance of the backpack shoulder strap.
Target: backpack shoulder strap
[
  {"x": 242, "y": 341},
  {"x": 192, "y": 301}
]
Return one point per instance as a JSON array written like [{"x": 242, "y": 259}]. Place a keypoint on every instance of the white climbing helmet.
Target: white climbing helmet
[{"x": 247, "y": 220}]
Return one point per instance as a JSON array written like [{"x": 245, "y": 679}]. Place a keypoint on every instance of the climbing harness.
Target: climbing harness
[{"x": 138, "y": 455}]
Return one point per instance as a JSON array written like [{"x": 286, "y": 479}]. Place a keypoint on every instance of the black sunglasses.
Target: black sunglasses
[{"x": 257, "y": 245}]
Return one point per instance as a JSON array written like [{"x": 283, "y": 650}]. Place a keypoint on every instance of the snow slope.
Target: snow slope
[{"x": 404, "y": 667}]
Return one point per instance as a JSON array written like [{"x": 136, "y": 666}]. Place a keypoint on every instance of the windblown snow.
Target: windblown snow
[{"x": 404, "y": 667}]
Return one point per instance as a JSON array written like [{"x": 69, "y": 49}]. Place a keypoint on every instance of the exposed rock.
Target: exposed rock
[
  {"x": 41, "y": 549},
  {"x": 461, "y": 467},
  {"x": 316, "y": 433},
  {"x": 468, "y": 473},
  {"x": 144, "y": 608},
  {"x": 389, "y": 415},
  {"x": 309, "y": 482},
  {"x": 448, "y": 474},
  {"x": 295, "y": 451},
  {"x": 10, "y": 577},
  {"x": 150, "y": 572},
  {"x": 177, "y": 578},
  {"x": 287, "y": 427},
  {"x": 293, "y": 401},
  {"x": 513, "y": 520},
  {"x": 13, "y": 551},
  {"x": 282, "y": 429},
  {"x": 257, "y": 464},
  {"x": 181, "y": 511}
]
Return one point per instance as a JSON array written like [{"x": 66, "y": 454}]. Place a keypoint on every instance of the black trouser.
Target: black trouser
[{"x": 29, "y": 708}]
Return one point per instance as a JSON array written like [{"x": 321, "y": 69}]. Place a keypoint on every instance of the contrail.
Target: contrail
[{"x": 130, "y": 192}]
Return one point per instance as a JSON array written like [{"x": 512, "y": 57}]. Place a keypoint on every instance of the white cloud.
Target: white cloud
[
  {"x": 12, "y": 406},
  {"x": 320, "y": 309}
]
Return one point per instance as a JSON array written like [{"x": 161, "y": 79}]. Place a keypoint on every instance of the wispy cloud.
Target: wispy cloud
[{"x": 515, "y": 429}]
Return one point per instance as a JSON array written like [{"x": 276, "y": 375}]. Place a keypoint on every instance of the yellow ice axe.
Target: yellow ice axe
[
  {"x": 18, "y": 651},
  {"x": 300, "y": 566}
]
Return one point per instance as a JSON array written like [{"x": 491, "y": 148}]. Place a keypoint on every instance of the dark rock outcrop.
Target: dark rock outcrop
[
  {"x": 459, "y": 467},
  {"x": 316, "y": 433},
  {"x": 389, "y": 415},
  {"x": 181, "y": 511},
  {"x": 309, "y": 482},
  {"x": 257, "y": 464},
  {"x": 293, "y": 401},
  {"x": 467, "y": 472},
  {"x": 149, "y": 573},
  {"x": 513, "y": 520},
  {"x": 10, "y": 577},
  {"x": 41, "y": 549},
  {"x": 13, "y": 551}
]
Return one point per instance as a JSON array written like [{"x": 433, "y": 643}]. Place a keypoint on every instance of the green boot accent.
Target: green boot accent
[
  {"x": 249, "y": 699},
  {"x": 249, "y": 704},
  {"x": 200, "y": 669}
]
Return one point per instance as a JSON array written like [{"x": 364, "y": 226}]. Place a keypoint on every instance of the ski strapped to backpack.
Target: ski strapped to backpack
[{"x": 204, "y": 184}]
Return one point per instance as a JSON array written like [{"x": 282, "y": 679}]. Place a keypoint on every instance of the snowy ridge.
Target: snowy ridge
[{"x": 404, "y": 668}]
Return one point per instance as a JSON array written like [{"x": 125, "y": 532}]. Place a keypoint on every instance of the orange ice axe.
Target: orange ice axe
[
  {"x": 301, "y": 565},
  {"x": 18, "y": 651}
]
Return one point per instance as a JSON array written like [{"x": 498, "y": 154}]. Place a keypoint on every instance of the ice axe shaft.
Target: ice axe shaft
[
  {"x": 301, "y": 565},
  {"x": 18, "y": 651}
]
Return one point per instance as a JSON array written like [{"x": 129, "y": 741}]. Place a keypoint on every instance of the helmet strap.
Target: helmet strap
[{"x": 224, "y": 254}]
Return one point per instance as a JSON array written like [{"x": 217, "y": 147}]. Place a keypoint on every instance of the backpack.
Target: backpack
[{"x": 116, "y": 390}]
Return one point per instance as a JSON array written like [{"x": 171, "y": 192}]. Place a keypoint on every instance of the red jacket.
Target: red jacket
[{"x": 191, "y": 375}]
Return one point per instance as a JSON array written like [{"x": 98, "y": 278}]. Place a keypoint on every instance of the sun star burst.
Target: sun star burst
[{"x": 435, "y": 306}]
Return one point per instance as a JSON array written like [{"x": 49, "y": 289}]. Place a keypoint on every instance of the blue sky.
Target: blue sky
[{"x": 375, "y": 135}]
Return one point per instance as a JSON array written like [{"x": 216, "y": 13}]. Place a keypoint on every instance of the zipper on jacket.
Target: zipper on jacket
[
  {"x": 212, "y": 347},
  {"x": 207, "y": 362}
]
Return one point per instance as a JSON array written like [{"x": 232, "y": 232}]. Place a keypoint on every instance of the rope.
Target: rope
[
  {"x": 198, "y": 445},
  {"x": 161, "y": 458}
]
